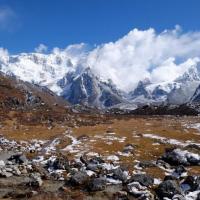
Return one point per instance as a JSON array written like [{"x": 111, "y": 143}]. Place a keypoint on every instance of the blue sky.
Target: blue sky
[{"x": 24, "y": 24}]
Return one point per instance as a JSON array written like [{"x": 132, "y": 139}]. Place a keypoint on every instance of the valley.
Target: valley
[{"x": 132, "y": 143}]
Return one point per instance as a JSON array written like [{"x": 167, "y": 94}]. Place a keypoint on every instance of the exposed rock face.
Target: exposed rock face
[
  {"x": 87, "y": 89},
  {"x": 141, "y": 90},
  {"x": 196, "y": 97},
  {"x": 33, "y": 104}
]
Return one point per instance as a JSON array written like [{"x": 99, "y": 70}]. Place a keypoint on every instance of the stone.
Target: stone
[
  {"x": 58, "y": 163},
  {"x": 180, "y": 169},
  {"x": 16, "y": 171},
  {"x": 93, "y": 167},
  {"x": 18, "y": 159},
  {"x": 146, "y": 164},
  {"x": 42, "y": 171},
  {"x": 5, "y": 174},
  {"x": 139, "y": 191},
  {"x": 178, "y": 197},
  {"x": 84, "y": 159},
  {"x": 120, "y": 174},
  {"x": 79, "y": 178},
  {"x": 96, "y": 160},
  {"x": 97, "y": 184},
  {"x": 129, "y": 148},
  {"x": 173, "y": 158},
  {"x": 36, "y": 180},
  {"x": 162, "y": 163},
  {"x": 193, "y": 182},
  {"x": 168, "y": 189},
  {"x": 143, "y": 179}
]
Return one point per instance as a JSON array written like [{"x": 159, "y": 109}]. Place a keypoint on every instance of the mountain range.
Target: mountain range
[{"x": 78, "y": 84}]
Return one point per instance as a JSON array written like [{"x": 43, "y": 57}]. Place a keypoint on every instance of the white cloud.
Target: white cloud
[
  {"x": 4, "y": 55},
  {"x": 7, "y": 18},
  {"x": 41, "y": 48},
  {"x": 140, "y": 54}
]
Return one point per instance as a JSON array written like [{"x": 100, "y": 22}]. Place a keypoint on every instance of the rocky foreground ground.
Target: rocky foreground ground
[{"x": 140, "y": 158}]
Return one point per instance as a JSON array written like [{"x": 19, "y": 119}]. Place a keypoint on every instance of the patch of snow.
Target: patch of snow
[
  {"x": 38, "y": 159},
  {"x": 108, "y": 166},
  {"x": 113, "y": 181},
  {"x": 92, "y": 154},
  {"x": 113, "y": 158},
  {"x": 90, "y": 173},
  {"x": 192, "y": 195},
  {"x": 170, "y": 141},
  {"x": 124, "y": 154},
  {"x": 157, "y": 181},
  {"x": 2, "y": 163},
  {"x": 74, "y": 143}
]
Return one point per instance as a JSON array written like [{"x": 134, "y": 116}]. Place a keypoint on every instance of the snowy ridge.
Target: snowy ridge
[{"x": 68, "y": 75}]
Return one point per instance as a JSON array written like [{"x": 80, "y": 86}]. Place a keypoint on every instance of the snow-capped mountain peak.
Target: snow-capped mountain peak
[
  {"x": 192, "y": 74},
  {"x": 69, "y": 76}
]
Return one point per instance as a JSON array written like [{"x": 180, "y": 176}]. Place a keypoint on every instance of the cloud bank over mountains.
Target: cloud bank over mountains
[{"x": 138, "y": 55}]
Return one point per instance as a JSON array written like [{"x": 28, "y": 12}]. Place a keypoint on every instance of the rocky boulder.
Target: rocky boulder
[
  {"x": 143, "y": 179},
  {"x": 168, "y": 189},
  {"x": 79, "y": 178},
  {"x": 97, "y": 184}
]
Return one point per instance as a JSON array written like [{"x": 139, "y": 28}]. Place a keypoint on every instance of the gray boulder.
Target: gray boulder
[
  {"x": 79, "y": 179},
  {"x": 143, "y": 179},
  {"x": 97, "y": 184},
  {"x": 168, "y": 189}
]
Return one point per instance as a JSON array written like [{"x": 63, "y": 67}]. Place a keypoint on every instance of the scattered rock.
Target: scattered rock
[
  {"x": 4, "y": 173},
  {"x": 181, "y": 157},
  {"x": 58, "y": 163},
  {"x": 18, "y": 159},
  {"x": 36, "y": 180},
  {"x": 42, "y": 171},
  {"x": 93, "y": 167}
]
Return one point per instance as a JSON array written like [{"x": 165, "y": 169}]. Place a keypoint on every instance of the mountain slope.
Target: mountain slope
[
  {"x": 67, "y": 76},
  {"x": 175, "y": 92},
  {"x": 29, "y": 104},
  {"x": 88, "y": 89}
]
